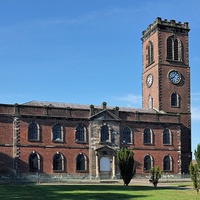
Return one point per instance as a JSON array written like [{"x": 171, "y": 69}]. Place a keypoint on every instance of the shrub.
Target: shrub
[{"x": 155, "y": 176}]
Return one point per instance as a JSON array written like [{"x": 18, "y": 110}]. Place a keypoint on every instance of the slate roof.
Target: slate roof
[{"x": 84, "y": 106}]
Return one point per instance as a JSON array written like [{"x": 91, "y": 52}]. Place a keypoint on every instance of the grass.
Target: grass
[{"x": 177, "y": 191}]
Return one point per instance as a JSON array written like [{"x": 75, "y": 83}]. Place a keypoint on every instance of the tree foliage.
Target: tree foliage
[
  {"x": 195, "y": 176},
  {"x": 126, "y": 164},
  {"x": 155, "y": 175},
  {"x": 195, "y": 170},
  {"x": 197, "y": 155}
]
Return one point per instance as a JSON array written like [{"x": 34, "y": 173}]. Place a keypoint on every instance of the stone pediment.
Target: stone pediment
[
  {"x": 105, "y": 150},
  {"x": 105, "y": 115}
]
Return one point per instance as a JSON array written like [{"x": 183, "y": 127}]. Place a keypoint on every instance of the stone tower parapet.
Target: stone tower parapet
[{"x": 171, "y": 25}]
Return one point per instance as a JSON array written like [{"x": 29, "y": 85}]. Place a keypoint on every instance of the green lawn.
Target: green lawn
[{"x": 93, "y": 192}]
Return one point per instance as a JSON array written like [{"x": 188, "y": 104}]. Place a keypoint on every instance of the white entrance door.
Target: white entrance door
[{"x": 104, "y": 164}]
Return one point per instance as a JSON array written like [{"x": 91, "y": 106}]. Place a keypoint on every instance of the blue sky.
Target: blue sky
[{"x": 86, "y": 51}]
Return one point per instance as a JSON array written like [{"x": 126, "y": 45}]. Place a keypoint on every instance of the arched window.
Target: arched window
[
  {"x": 169, "y": 48},
  {"x": 58, "y": 162},
  {"x": 148, "y": 162},
  {"x": 150, "y": 102},
  {"x": 80, "y": 133},
  {"x": 34, "y": 162},
  {"x": 33, "y": 132},
  {"x": 127, "y": 136},
  {"x": 167, "y": 163},
  {"x": 147, "y": 136},
  {"x": 166, "y": 136},
  {"x": 57, "y": 133},
  {"x": 81, "y": 162},
  {"x": 104, "y": 133},
  {"x": 174, "y": 100},
  {"x": 174, "y": 49},
  {"x": 150, "y": 55}
]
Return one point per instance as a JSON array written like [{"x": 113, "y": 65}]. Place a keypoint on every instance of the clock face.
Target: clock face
[
  {"x": 149, "y": 80},
  {"x": 174, "y": 76}
]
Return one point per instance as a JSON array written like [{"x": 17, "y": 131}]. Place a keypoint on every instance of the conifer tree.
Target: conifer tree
[
  {"x": 126, "y": 164},
  {"x": 195, "y": 170},
  {"x": 197, "y": 155},
  {"x": 195, "y": 176}
]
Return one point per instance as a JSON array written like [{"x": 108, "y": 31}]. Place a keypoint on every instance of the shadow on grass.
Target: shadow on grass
[{"x": 73, "y": 192}]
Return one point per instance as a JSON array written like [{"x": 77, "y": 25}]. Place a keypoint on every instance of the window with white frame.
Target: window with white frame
[
  {"x": 81, "y": 162},
  {"x": 127, "y": 136},
  {"x": 80, "y": 133},
  {"x": 150, "y": 53},
  {"x": 167, "y": 163},
  {"x": 33, "y": 132},
  {"x": 166, "y": 136},
  {"x": 174, "y": 100},
  {"x": 150, "y": 102},
  {"x": 57, "y": 133},
  {"x": 147, "y": 136},
  {"x": 104, "y": 133},
  {"x": 34, "y": 162},
  {"x": 148, "y": 163},
  {"x": 174, "y": 49},
  {"x": 58, "y": 162}
]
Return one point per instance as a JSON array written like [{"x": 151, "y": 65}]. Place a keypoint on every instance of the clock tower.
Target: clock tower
[{"x": 166, "y": 75}]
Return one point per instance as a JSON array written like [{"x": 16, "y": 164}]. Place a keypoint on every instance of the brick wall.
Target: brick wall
[{"x": 70, "y": 149}]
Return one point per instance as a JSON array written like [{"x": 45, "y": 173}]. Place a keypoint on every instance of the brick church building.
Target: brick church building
[{"x": 81, "y": 141}]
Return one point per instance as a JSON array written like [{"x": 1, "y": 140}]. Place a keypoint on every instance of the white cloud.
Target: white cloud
[
  {"x": 196, "y": 113},
  {"x": 195, "y": 109},
  {"x": 195, "y": 96},
  {"x": 130, "y": 100}
]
